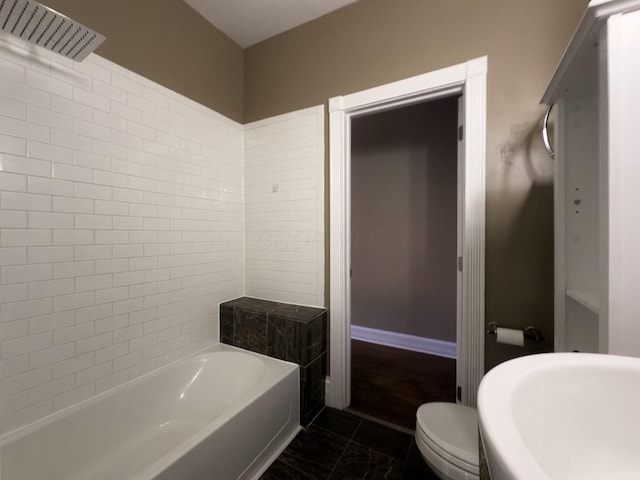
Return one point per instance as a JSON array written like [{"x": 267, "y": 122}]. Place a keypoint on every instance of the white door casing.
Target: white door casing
[
  {"x": 460, "y": 237},
  {"x": 469, "y": 80}
]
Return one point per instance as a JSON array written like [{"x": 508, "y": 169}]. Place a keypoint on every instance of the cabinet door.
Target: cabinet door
[{"x": 620, "y": 237}]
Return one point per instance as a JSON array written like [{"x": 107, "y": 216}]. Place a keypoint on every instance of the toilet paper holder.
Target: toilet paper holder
[{"x": 530, "y": 333}]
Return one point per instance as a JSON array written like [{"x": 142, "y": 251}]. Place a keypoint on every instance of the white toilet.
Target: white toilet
[{"x": 447, "y": 436}]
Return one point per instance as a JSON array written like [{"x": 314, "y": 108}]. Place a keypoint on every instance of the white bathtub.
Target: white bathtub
[{"x": 221, "y": 414}]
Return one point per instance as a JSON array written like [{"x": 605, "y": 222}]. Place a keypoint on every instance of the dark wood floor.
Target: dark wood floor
[{"x": 390, "y": 384}]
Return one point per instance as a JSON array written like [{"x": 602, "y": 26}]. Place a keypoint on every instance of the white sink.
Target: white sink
[{"x": 562, "y": 416}]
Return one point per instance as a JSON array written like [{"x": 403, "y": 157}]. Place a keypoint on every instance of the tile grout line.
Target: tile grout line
[
  {"x": 293, "y": 467},
  {"x": 380, "y": 421},
  {"x": 406, "y": 460},
  {"x": 383, "y": 423},
  {"x": 345, "y": 449},
  {"x": 403, "y": 471}
]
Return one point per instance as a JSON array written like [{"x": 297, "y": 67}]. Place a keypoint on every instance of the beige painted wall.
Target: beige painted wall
[
  {"x": 373, "y": 42},
  {"x": 168, "y": 42},
  {"x": 403, "y": 220},
  {"x": 370, "y": 43}
]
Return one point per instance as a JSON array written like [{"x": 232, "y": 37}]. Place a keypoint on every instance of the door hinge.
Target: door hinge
[
  {"x": 459, "y": 393},
  {"x": 350, "y": 273},
  {"x": 459, "y": 264},
  {"x": 460, "y": 132}
]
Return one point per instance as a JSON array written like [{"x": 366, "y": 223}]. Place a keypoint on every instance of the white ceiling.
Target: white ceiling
[{"x": 251, "y": 21}]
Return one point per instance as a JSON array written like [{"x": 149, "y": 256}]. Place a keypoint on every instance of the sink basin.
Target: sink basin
[{"x": 562, "y": 416}]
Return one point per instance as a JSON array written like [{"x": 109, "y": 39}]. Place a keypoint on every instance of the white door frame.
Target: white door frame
[{"x": 468, "y": 79}]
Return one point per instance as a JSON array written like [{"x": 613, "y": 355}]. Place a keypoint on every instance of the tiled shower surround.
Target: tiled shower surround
[
  {"x": 284, "y": 195},
  {"x": 288, "y": 332},
  {"x": 122, "y": 215}
]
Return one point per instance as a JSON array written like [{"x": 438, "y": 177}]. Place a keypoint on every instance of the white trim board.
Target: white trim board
[
  {"x": 404, "y": 341},
  {"x": 468, "y": 79}
]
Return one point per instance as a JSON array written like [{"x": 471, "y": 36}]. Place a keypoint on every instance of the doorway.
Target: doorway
[
  {"x": 468, "y": 80},
  {"x": 404, "y": 221}
]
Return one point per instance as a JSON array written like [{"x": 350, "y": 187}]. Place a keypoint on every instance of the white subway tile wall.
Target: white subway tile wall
[
  {"x": 284, "y": 207},
  {"x": 122, "y": 228}
]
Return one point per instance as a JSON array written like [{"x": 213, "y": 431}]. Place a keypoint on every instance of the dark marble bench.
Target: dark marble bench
[{"x": 289, "y": 332}]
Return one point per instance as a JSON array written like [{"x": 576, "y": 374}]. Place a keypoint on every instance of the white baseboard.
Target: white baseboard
[
  {"x": 328, "y": 398},
  {"x": 431, "y": 346}
]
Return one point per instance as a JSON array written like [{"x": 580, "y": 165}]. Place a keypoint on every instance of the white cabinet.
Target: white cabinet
[{"x": 596, "y": 92}]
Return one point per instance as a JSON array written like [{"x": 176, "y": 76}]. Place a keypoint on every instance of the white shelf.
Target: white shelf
[
  {"x": 596, "y": 177},
  {"x": 585, "y": 298}
]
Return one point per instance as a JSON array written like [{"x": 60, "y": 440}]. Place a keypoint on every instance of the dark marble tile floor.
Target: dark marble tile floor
[{"x": 342, "y": 446}]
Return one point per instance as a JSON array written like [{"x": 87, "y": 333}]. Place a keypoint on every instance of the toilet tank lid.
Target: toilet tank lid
[{"x": 453, "y": 427}]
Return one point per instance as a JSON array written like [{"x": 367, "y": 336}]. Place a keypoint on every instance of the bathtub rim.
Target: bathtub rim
[
  {"x": 161, "y": 464},
  {"x": 260, "y": 463},
  {"x": 48, "y": 419}
]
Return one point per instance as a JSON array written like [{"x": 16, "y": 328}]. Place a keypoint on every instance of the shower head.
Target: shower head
[{"x": 32, "y": 21}]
